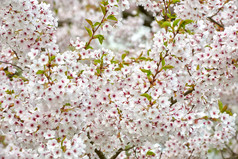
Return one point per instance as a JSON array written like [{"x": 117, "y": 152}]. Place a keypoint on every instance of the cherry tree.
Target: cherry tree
[{"x": 86, "y": 82}]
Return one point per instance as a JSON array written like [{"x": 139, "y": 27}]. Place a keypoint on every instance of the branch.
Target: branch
[
  {"x": 100, "y": 154},
  {"x": 11, "y": 64},
  {"x": 215, "y": 22},
  {"x": 95, "y": 30},
  {"x": 157, "y": 71},
  {"x": 121, "y": 150},
  {"x": 15, "y": 54},
  {"x": 191, "y": 154},
  {"x": 184, "y": 94},
  {"x": 231, "y": 151},
  {"x": 66, "y": 21}
]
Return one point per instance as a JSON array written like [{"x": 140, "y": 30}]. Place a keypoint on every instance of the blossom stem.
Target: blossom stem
[{"x": 95, "y": 30}]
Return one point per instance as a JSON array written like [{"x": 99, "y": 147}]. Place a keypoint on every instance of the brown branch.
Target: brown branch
[
  {"x": 184, "y": 94},
  {"x": 15, "y": 54},
  {"x": 215, "y": 22},
  {"x": 95, "y": 30},
  {"x": 121, "y": 150},
  {"x": 62, "y": 22},
  {"x": 100, "y": 154},
  {"x": 188, "y": 70},
  {"x": 188, "y": 92},
  {"x": 191, "y": 154},
  {"x": 11, "y": 64},
  {"x": 157, "y": 72},
  {"x": 231, "y": 151}
]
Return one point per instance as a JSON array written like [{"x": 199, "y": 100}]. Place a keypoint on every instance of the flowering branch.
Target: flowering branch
[
  {"x": 95, "y": 30},
  {"x": 157, "y": 72}
]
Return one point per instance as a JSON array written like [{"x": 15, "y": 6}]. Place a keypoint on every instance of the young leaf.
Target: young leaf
[
  {"x": 103, "y": 8},
  {"x": 69, "y": 77},
  {"x": 52, "y": 58},
  {"x": 100, "y": 38},
  {"x": 123, "y": 56},
  {"x": 166, "y": 24},
  {"x": 167, "y": 67},
  {"x": 89, "y": 31},
  {"x": 96, "y": 24},
  {"x": 224, "y": 108},
  {"x": 147, "y": 96},
  {"x": 146, "y": 71},
  {"x": 187, "y": 21},
  {"x": 112, "y": 17},
  {"x": 220, "y": 105},
  {"x": 88, "y": 47},
  {"x": 176, "y": 1},
  {"x": 89, "y": 22},
  {"x": 150, "y": 153},
  {"x": 148, "y": 52},
  {"x": 175, "y": 23},
  {"x": 40, "y": 72},
  {"x": 163, "y": 63}
]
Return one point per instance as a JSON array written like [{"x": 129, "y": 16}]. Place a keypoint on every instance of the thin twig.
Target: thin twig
[
  {"x": 11, "y": 64},
  {"x": 121, "y": 150},
  {"x": 15, "y": 54},
  {"x": 191, "y": 154},
  {"x": 95, "y": 30},
  {"x": 231, "y": 151},
  {"x": 157, "y": 71}
]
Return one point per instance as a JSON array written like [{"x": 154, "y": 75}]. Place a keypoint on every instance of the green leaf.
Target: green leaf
[
  {"x": 117, "y": 69},
  {"x": 52, "y": 58},
  {"x": 69, "y": 77},
  {"x": 166, "y": 24},
  {"x": 99, "y": 37},
  {"x": 150, "y": 153},
  {"x": 97, "y": 61},
  {"x": 9, "y": 91},
  {"x": 229, "y": 112},
  {"x": 103, "y": 8},
  {"x": 188, "y": 21},
  {"x": 220, "y": 105},
  {"x": 112, "y": 17},
  {"x": 67, "y": 104},
  {"x": 163, "y": 63},
  {"x": 104, "y": 2},
  {"x": 80, "y": 72},
  {"x": 40, "y": 72},
  {"x": 175, "y": 23},
  {"x": 224, "y": 108},
  {"x": 143, "y": 58},
  {"x": 88, "y": 46},
  {"x": 198, "y": 67},
  {"x": 89, "y": 22},
  {"x": 98, "y": 71},
  {"x": 89, "y": 31},
  {"x": 147, "y": 96},
  {"x": 167, "y": 67},
  {"x": 176, "y": 1},
  {"x": 148, "y": 52},
  {"x": 123, "y": 56},
  {"x": 146, "y": 71},
  {"x": 96, "y": 24}
]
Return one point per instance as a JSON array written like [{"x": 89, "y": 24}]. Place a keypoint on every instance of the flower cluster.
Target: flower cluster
[{"x": 121, "y": 89}]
